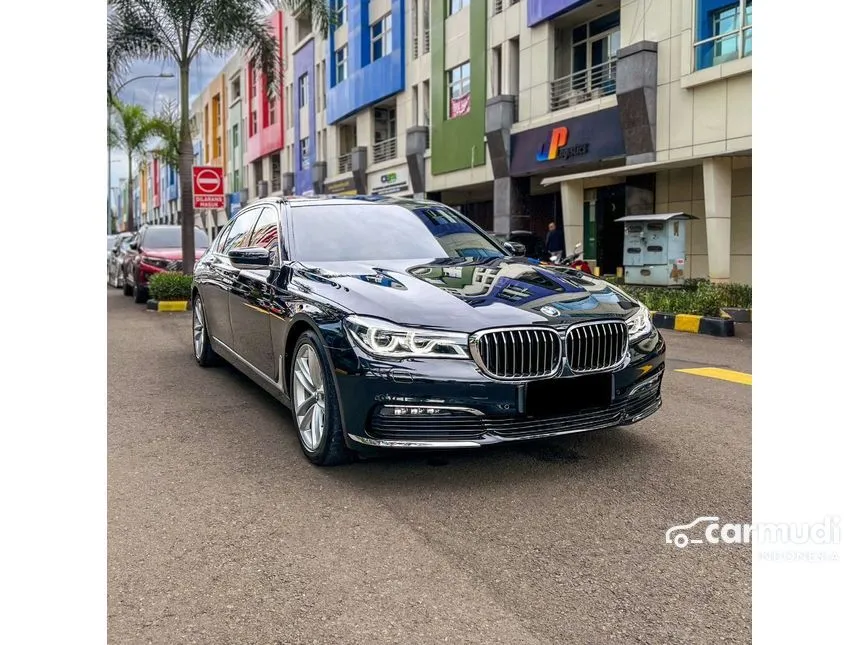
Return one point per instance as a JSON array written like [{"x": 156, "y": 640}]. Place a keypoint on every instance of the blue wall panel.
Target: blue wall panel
[{"x": 366, "y": 82}]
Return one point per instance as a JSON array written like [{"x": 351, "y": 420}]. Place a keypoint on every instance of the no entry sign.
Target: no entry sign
[{"x": 208, "y": 187}]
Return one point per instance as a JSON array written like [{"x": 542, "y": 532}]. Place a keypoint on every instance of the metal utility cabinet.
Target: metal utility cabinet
[{"x": 655, "y": 249}]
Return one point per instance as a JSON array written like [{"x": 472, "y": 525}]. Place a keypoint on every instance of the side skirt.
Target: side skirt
[{"x": 272, "y": 387}]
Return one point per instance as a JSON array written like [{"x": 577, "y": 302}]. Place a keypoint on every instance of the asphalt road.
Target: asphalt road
[{"x": 219, "y": 530}]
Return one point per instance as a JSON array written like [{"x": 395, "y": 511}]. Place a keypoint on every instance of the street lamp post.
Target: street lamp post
[{"x": 116, "y": 93}]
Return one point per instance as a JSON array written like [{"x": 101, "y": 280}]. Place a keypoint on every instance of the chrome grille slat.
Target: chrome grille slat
[
  {"x": 596, "y": 346},
  {"x": 518, "y": 353}
]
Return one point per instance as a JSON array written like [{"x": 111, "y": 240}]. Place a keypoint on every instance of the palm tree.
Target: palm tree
[
  {"x": 131, "y": 130},
  {"x": 178, "y": 31},
  {"x": 166, "y": 126}
]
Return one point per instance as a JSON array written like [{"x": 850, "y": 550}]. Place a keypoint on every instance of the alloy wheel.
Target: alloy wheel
[
  {"x": 309, "y": 396},
  {"x": 199, "y": 327}
]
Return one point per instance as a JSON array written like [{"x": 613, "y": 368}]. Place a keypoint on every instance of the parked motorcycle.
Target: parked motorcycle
[{"x": 574, "y": 261}]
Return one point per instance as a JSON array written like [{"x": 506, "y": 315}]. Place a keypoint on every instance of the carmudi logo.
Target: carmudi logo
[{"x": 557, "y": 146}]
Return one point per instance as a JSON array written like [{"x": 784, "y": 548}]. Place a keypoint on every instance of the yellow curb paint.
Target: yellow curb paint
[
  {"x": 687, "y": 322},
  {"x": 723, "y": 375},
  {"x": 167, "y": 305}
]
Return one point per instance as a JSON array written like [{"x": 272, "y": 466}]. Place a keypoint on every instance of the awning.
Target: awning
[
  {"x": 657, "y": 217},
  {"x": 642, "y": 168}
]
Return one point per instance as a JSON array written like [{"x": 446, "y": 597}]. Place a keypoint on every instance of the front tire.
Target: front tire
[
  {"x": 316, "y": 411},
  {"x": 203, "y": 352},
  {"x": 127, "y": 289}
]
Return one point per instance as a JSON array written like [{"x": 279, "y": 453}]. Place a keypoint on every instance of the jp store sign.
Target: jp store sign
[{"x": 390, "y": 183}]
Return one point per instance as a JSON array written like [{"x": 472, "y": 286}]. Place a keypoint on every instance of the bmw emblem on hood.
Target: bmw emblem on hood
[{"x": 549, "y": 311}]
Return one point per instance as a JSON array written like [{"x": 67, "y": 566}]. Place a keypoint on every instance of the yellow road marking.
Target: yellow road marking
[
  {"x": 687, "y": 322},
  {"x": 724, "y": 375},
  {"x": 170, "y": 305}
]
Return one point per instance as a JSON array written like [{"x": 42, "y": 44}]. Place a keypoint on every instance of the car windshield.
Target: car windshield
[
  {"x": 171, "y": 238},
  {"x": 361, "y": 232}
]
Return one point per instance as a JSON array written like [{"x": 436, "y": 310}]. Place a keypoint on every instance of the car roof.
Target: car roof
[{"x": 294, "y": 201}]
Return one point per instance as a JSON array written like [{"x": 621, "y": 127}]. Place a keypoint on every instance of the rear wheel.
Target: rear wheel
[
  {"x": 316, "y": 411},
  {"x": 203, "y": 352}
]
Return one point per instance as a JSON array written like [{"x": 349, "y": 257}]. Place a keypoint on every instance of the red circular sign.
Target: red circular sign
[{"x": 208, "y": 181}]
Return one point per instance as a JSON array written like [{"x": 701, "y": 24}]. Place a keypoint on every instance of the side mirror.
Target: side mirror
[
  {"x": 133, "y": 246},
  {"x": 249, "y": 258},
  {"x": 515, "y": 248}
]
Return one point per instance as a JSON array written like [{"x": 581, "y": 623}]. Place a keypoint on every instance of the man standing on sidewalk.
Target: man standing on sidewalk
[{"x": 554, "y": 241}]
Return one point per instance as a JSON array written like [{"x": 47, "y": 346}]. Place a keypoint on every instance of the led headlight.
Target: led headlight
[
  {"x": 387, "y": 340},
  {"x": 639, "y": 324}
]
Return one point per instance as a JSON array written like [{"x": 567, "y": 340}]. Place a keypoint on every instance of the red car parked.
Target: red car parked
[{"x": 154, "y": 249}]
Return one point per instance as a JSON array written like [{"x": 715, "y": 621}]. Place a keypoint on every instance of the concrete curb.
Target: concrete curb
[
  {"x": 695, "y": 324},
  {"x": 736, "y": 314},
  {"x": 168, "y": 305}
]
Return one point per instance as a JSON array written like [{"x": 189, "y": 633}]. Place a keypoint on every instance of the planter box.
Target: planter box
[
  {"x": 695, "y": 324},
  {"x": 168, "y": 305}
]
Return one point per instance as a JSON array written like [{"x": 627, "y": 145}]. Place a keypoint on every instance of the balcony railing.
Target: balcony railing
[
  {"x": 344, "y": 163},
  {"x": 584, "y": 85},
  {"x": 385, "y": 150},
  {"x": 498, "y": 5},
  {"x": 426, "y": 40}
]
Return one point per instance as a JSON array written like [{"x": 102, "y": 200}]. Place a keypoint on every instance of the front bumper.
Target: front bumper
[{"x": 437, "y": 403}]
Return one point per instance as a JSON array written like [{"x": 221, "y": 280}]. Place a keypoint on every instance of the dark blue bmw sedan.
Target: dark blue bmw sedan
[{"x": 398, "y": 323}]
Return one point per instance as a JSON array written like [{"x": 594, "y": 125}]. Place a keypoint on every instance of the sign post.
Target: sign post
[{"x": 208, "y": 187}]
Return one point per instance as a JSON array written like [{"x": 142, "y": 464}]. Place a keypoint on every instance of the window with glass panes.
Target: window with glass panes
[
  {"x": 723, "y": 31},
  {"x": 340, "y": 62},
  {"x": 459, "y": 89},
  {"x": 380, "y": 38}
]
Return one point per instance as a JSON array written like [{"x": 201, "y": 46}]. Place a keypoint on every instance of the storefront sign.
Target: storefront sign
[
  {"x": 389, "y": 183},
  {"x": 586, "y": 139},
  {"x": 341, "y": 187}
]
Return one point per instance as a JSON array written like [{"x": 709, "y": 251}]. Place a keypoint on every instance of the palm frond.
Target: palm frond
[{"x": 133, "y": 36}]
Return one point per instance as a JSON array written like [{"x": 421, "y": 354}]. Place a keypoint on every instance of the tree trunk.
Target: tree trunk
[
  {"x": 186, "y": 161},
  {"x": 130, "y": 216}
]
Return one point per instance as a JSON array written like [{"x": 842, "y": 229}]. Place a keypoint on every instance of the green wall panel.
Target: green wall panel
[{"x": 452, "y": 141}]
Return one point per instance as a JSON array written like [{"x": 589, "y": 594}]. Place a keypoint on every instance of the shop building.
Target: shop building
[
  {"x": 683, "y": 77},
  {"x": 236, "y": 177}
]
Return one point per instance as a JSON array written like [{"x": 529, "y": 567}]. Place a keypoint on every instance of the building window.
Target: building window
[
  {"x": 236, "y": 188},
  {"x": 459, "y": 90},
  {"x": 340, "y": 61},
  {"x": 305, "y": 152},
  {"x": 253, "y": 79},
  {"x": 303, "y": 90},
  {"x": 339, "y": 12},
  {"x": 380, "y": 38},
  {"x": 723, "y": 31},
  {"x": 588, "y": 72},
  {"x": 253, "y": 123},
  {"x": 456, "y": 5},
  {"x": 235, "y": 88},
  {"x": 235, "y": 135},
  {"x": 272, "y": 112}
]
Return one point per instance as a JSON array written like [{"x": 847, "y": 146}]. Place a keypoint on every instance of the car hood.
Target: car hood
[
  {"x": 464, "y": 295},
  {"x": 170, "y": 254}
]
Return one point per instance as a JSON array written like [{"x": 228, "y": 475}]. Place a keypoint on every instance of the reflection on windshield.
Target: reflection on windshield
[{"x": 385, "y": 231}]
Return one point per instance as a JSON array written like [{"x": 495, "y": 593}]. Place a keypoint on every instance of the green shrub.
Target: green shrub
[
  {"x": 170, "y": 285},
  {"x": 699, "y": 297}
]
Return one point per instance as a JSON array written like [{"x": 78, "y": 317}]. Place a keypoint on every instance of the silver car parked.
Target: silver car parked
[{"x": 115, "y": 255}]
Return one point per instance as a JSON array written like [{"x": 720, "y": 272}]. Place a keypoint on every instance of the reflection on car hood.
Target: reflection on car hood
[{"x": 464, "y": 295}]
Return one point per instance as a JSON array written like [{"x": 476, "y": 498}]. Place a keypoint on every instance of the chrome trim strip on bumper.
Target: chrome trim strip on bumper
[
  {"x": 405, "y": 443},
  {"x": 453, "y": 408}
]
